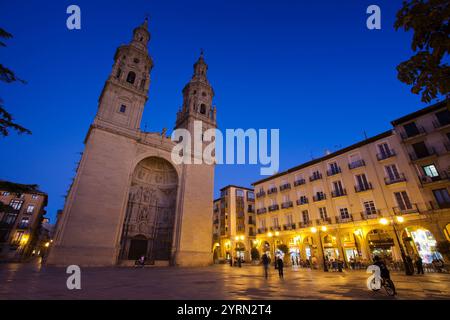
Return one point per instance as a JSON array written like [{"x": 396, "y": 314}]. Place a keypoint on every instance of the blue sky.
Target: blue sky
[{"x": 310, "y": 68}]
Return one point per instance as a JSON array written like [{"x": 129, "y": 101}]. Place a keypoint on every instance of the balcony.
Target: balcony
[
  {"x": 319, "y": 197},
  {"x": 439, "y": 205},
  {"x": 404, "y": 210},
  {"x": 338, "y": 193},
  {"x": 275, "y": 228},
  {"x": 416, "y": 133},
  {"x": 261, "y": 210},
  {"x": 251, "y": 221},
  {"x": 305, "y": 224},
  {"x": 287, "y": 204},
  {"x": 274, "y": 207},
  {"x": 251, "y": 210},
  {"x": 315, "y": 177},
  {"x": 391, "y": 180},
  {"x": 356, "y": 164},
  {"x": 344, "y": 219},
  {"x": 216, "y": 221},
  {"x": 289, "y": 226},
  {"x": 260, "y": 194},
  {"x": 23, "y": 226},
  {"x": 262, "y": 230},
  {"x": 425, "y": 180},
  {"x": 323, "y": 221},
  {"x": 286, "y": 186},
  {"x": 366, "y": 215},
  {"x": 386, "y": 155},
  {"x": 301, "y": 201},
  {"x": 299, "y": 182},
  {"x": 241, "y": 215},
  {"x": 423, "y": 155},
  {"x": 251, "y": 234},
  {"x": 363, "y": 187},
  {"x": 334, "y": 171},
  {"x": 272, "y": 190},
  {"x": 441, "y": 124}
]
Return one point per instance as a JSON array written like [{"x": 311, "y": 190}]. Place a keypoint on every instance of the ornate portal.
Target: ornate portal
[{"x": 150, "y": 216}]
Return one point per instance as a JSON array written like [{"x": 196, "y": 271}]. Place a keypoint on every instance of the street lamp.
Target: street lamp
[
  {"x": 272, "y": 236},
  {"x": 314, "y": 230},
  {"x": 399, "y": 219}
]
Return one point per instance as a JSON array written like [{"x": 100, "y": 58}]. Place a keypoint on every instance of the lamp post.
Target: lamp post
[
  {"x": 314, "y": 230},
  {"x": 271, "y": 235},
  {"x": 399, "y": 219}
]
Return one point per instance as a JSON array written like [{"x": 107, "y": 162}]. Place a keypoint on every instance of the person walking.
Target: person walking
[
  {"x": 280, "y": 266},
  {"x": 265, "y": 262},
  {"x": 419, "y": 265}
]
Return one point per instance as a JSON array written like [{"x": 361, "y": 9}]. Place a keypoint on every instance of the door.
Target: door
[{"x": 138, "y": 248}]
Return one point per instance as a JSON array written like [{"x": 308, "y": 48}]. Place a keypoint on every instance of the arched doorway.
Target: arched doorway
[
  {"x": 418, "y": 240},
  {"x": 381, "y": 244},
  {"x": 330, "y": 247},
  {"x": 150, "y": 214},
  {"x": 240, "y": 251}
]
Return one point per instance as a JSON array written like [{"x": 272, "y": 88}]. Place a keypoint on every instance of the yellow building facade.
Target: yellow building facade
[{"x": 387, "y": 195}]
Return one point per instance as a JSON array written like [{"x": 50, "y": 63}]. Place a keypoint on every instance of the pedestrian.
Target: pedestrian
[
  {"x": 231, "y": 261},
  {"x": 239, "y": 262},
  {"x": 265, "y": 262},
  {"x": 280, "y": 266},
  {"x": 419, "y": 265},
  {"x": 410, "y": 266}
]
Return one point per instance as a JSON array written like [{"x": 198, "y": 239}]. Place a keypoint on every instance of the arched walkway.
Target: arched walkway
[{"x": 420, "y": 241}]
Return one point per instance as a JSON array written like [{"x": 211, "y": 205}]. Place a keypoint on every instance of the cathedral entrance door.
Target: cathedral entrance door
[{"x": 138, "y": 248}]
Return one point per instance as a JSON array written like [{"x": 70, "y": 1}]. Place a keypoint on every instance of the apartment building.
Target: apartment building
[
  {"x": 387, "y": 195},
  {"x": 20, "y": 223},
  {"x": 234, "y": 223}
]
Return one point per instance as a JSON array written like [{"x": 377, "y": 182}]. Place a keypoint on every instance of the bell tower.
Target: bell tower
[{"x": 125, "y": 93}]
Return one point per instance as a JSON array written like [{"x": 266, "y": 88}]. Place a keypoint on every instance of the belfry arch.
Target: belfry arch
[{"x": 148, "y": 226}]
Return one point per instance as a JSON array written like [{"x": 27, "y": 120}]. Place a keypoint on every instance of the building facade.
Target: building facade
[
  {"x": 234, "y": 224},
  {"x": 20, "y": 223},
  {"x": 387, "y": 195},
  {"x": 129, "y": 198}
]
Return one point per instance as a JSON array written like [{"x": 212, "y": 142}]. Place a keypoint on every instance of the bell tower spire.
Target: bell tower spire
[{"x": 125, "y": 92}]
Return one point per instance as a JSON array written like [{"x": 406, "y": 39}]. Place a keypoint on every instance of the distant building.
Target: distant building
[
  {"x": 234, "y": 223},
  {"x": 20, "y": 221}
]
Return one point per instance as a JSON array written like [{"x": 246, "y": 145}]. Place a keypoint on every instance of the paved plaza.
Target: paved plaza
[{"x": 28, "y": 281}]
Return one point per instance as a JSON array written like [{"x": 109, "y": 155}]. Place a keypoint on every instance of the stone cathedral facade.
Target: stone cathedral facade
[{"x": 128, "y": 198}]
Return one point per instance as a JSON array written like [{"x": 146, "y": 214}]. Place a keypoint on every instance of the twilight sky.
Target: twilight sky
[{"x": 310, "y": 68}]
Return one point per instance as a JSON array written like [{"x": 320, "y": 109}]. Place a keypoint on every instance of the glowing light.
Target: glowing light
[
  {"x": 358, "y": 232},
  {"x": 384, "y": 221},
  {"x": 236, "y": 238},
  {"x": 277, "y": 233},
  {"x": 47, "y": 244},
  {"x": 270, "y": 234},
  {"x": 400, "y": 219},
  {"x": 313, "y": 230},
  {"x": 242, "y": 237},
  {"x": 24, "y": 239},
  {"x": 324, "y": 228}
]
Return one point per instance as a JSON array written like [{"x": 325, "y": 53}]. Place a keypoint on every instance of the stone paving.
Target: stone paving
[{"x": 28, "y": 281}]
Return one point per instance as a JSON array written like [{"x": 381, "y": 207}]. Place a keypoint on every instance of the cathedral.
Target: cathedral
[{"x": 128, "y": 198}]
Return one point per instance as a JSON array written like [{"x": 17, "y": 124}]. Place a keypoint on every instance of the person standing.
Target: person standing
[
  {"x": 265, "y": 262},
  {"x": 280, "y": 266},
  {"x": 419, "y": 265}
]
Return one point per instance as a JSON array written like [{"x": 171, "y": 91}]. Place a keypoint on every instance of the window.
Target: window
[
  {"x": 344, "y": 213},
  {"x": 305, "y": 216},
  {"x": 136, "y": 60},
  {"x": 403, "y": 201},
  {"x": 442, "y": 197},
  {"x": 202, "y": 109},
  {"x": 361, "y": 181},
  {"x": 143, "y": 84},
  {"x": 250, "y": 195},
  {"x": 123, "y": 108},
  {"x": 18, "y": 236},
  {"x": 338, "y": 189},
  {"x": 275, "y": 222},
  {"x": 24, "y": 222},
  {"x": 420, "y": 149},
  {"x": 392, "y": 172},
  {"x": 118, "y": 73},
  {"x": 239, "y": 193},
  {"x": 16, "y": 204},
  {"x": 384, "y": 150},
  {"x": 35, "y": 197},
  {"x": 369, "y": 207},
  {"x": 30, "y": 208},
  {"x": 262, "y": 223},
  {"x": 334, "y": 168},
  {"x": 286, "y": 198},
  {"x": 430, "y": 171},
  {"x": 131, "y": 77},
  {"x": 5, "y": 193},
  {"x": 289, "y": 219},
  {"x": 10, "y": 218},
  {"x": 411, "y": 129},
  {"x": 443, "y": 117},
  {"x": 323, "y": 213}
]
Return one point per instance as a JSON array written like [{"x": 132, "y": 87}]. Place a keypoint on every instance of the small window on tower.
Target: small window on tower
[
  {"x": 131, "y": 77},
  {"x": 204, "y": 94},
  {"x": 203, "y": 109},
  {"x": 119, "y": 73},
  {"x": 123, "y": 108},
  {"x": 136, "y": 60}
]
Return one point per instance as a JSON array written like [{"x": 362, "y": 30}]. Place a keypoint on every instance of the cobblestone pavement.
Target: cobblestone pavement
[{"x": 27, "y": 281}]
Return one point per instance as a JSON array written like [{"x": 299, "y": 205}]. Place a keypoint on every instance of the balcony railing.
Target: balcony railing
[
  {"x": 356, "y": 164},
  {"x": 363, "y": 187},
  {"x": 23, "y": 226},
  {"x": 272, "y": 190},
  {"x": 334, "y": 171},
  {"x": 274, "y": 207},
  {"x": 285, "y": 186},
  {"x": 323, "y": 221},
  {"x": 366, "y": 215},
  {"x": 251, "y": 221},
  {"x": 262, "y": 230},
  {"x": 251, "y": 233},
  {"x": 251, "y": 210},
  {"x": 438, "y": 124},
  {"x": 338, "y": 193},
  {"x": 405, "y": 210},
  {"x": 302, "y": 201},
  {"x": 275, "y": 228},
  {"x": 386, "y": 155},
  {"x": 289, "y": 226},
  {"x": 315, "y": 177},
  {"x": 439, "y": 205},
  {"x": 261, "y": 210},
  {"x": 241, "y": 215},
  {"x": 287, "y": 204},
  {"x": 299, "y": 182},
  {"x": 344, "y": 219},
  {"x": 319, "y": 197},
  {"x": 260, "y": 194},
  {"x": 427, "y": 179},
  {"x": 305, "y": 224},
  {"x": 391, "y": 180},
  {"x": 420, "y": 131},
  {"x": 430, "y": 152}
]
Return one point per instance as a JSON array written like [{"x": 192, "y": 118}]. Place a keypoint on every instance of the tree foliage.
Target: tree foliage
[
  {"x": 427, "y": 71},
  {"x": 7, "y": 75}
]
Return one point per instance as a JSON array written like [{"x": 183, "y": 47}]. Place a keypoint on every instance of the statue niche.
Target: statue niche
[{"x": 150, "y": 214}]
